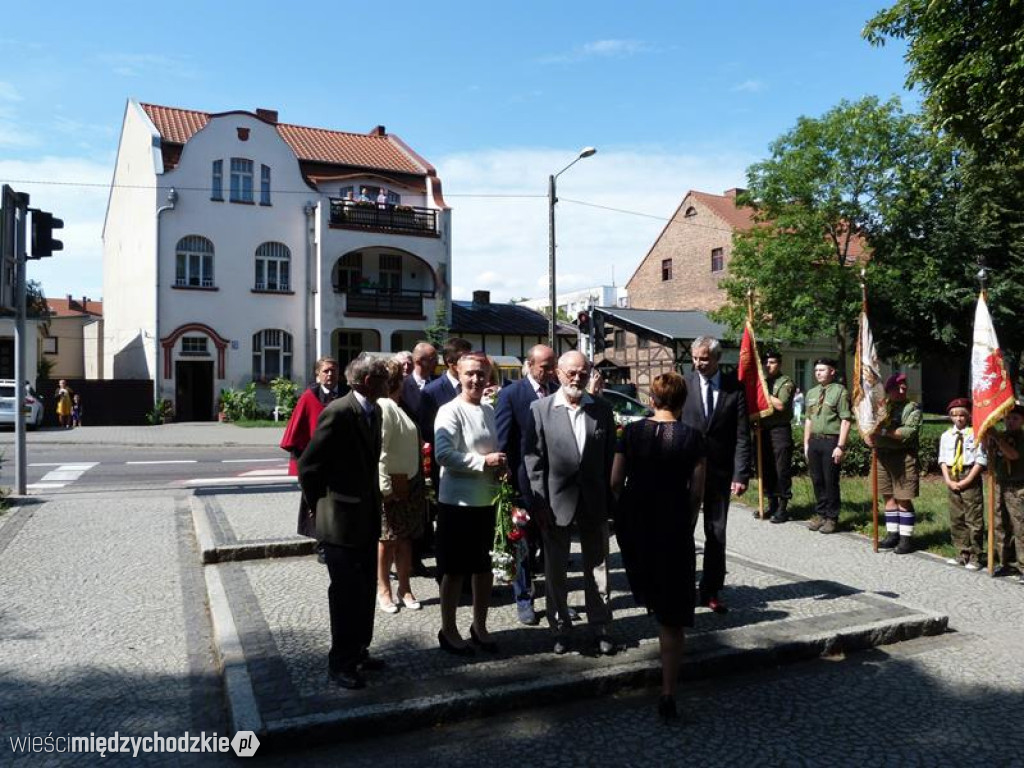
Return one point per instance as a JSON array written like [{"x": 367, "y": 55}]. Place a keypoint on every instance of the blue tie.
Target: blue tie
[{"x": 710, "y": 405}]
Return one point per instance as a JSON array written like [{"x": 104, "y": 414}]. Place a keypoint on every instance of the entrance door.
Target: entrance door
[{"x": 193, "y": 390}]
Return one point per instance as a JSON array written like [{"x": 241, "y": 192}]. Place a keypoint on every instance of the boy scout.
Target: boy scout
[
  {"x": 825, "y": 433},
  {"x": 896, "y": 444},
  {"x": 777, "y": 431},
  {"x": 962, "y": 463},
  {"x": 1006, "y": 458}
]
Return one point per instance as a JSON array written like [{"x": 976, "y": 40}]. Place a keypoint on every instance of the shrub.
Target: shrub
[
  {"x": 286, "y": 394},
  {"x": 238, "y": 404}
]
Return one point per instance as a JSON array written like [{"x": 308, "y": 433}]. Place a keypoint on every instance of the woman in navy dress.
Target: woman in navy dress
[{"x": 659, "y": 476}]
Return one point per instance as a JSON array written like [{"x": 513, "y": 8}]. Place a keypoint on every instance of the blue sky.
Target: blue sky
[{"x": 675, "y": 96}]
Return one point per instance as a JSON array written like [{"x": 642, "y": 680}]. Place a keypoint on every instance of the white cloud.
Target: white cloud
[
  {"x": 74, "y": 190},
  {"x": 501, "y": 243},
  {"x": 138, "y": 64},
  {"x": 599, "y": 49},
  {"x": 750, "y": 86}
]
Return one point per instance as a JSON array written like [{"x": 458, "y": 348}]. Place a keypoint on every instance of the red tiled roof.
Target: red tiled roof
[
  {"x": 320, "y": 145},
  {"x": 70, "y": 307},
  {"x": 737, "y": 217}
]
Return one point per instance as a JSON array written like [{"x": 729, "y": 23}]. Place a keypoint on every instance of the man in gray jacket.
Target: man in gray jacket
[{"x": 569, "y": 448}]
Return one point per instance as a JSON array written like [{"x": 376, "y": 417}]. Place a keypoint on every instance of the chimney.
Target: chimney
[
  {"x": 482, "y": 297},
  {"x": 731, "y": 193},
  {"x": 379, "y": 130},
  {"x": 270, "y": 115}
]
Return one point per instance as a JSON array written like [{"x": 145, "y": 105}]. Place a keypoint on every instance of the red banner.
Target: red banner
[
  {"x": 991, "y": 390},
  {"x": 751, "y": 376}
]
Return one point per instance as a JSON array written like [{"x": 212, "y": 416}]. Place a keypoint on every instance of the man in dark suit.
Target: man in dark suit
[
  {"x": 715, "y": 405},
  {"x": 338, "y": 473},
  {"x": 424, "y": 361},
  {"x": 570, "y": 444},
  {"x": 441, "y": 390},
  {"x": 512, "y": 417}
]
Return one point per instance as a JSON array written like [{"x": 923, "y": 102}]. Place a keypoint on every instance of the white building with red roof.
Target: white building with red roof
[{"x": 239, "y": 248}]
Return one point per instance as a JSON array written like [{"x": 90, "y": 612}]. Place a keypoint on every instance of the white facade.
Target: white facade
[
  {"x": 214, "y": 278},
  {"x": 574, "y": 302}
]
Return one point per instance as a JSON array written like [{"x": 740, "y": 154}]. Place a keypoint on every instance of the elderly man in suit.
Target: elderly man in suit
[
  {"x": 338, "y": 473},
  {"x": 716, "y": 407},
  {"x": 512, "y": 417},
  {"x": 570, "y": 445}
]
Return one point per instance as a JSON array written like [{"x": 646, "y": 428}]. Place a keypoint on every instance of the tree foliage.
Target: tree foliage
[
  {"x": 828, "y": 189},
  {"x": 968, "y": 58}
]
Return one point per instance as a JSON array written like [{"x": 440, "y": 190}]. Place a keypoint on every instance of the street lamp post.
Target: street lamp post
[{"x": 552, "y": 199}]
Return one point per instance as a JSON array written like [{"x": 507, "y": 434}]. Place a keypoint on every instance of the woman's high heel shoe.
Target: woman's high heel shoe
[
  {"x": 488, "y": 645},
  {"x": 667, "y": 709},
  {"x": 455, "y": 650}
]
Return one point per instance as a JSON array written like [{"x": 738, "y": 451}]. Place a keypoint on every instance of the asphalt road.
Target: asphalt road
[{"x": 62, "y": 469}]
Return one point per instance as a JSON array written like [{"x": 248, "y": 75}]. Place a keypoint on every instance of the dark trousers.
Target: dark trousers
[
  {"x": 351, "y": 595},
  {"x": 777, "y": 461},
  {"x": 526, "y": 563},
  {"x": 824, "y": 475},
  {"x": 717, "y": 492}
]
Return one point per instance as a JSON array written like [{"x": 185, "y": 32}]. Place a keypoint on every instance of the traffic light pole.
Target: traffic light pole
[{"x": 20, "y": 263}]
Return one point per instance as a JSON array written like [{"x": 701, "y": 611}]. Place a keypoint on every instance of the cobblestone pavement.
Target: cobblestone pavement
[{"x": 103, "y": 628}]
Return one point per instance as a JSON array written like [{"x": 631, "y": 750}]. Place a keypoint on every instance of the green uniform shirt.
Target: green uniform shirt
[
  {"x": 1011, "y": 472},
  {"x": 782, "y": 388},
  {"x": 827, "y": 407},
  {"x": 902, "y": 429}
]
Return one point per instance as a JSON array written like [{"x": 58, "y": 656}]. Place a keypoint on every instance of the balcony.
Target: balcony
[
  {"x": 402, "y": 219},
  {"x": 368, "y": 301}
]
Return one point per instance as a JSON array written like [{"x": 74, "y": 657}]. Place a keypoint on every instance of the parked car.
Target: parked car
[
  {"x": 33, "y": 405},
  {"x": 626, "y": 409}
]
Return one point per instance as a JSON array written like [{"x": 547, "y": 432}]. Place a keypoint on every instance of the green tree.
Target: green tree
[
  {"x": 968, "y": 58},
  {"x": 437, "y": 332},
  {"x": 827, "y": 190}
]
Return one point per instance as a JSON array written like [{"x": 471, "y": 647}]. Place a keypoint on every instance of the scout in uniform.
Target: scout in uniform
[
  {"x": 896, "y": 443},
  {"x": 1006, "y": 458},
  {"x": 826, "y": 430},
  {"x": 962, "y": 463},
  {"x": 777, "y": 431}
]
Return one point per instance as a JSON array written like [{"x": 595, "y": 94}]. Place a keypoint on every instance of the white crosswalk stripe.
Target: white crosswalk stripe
[{"x": 61, "y": 476}]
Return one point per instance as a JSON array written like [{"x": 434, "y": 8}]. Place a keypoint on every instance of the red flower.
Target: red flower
[{"x": 515, "y": 534}]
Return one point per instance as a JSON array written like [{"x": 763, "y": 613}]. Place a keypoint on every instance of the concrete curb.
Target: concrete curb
[
  {"x": 535, "y": 685},
  {"x": 212, "y": 552},
  {"x": 243, "y": 709}
]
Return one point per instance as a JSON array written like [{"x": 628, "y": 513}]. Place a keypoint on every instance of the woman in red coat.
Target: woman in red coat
[{"x": 300, "y": 428}]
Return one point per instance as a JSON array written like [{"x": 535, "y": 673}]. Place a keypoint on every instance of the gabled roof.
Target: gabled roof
[
  {"x": 724, "y": 206},
  {"x": 507, "y": 319},
  {"x": 376, "y": 150},
  {"x": 664, "y": 325},
  {"x": 70, "y": 307}
]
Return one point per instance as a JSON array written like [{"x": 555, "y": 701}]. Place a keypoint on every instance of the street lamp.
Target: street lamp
[{"x": 552, "y": 199}]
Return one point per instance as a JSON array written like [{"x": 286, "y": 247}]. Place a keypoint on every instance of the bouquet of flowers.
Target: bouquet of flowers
[
  {"x": 508, "y": 533},
  {"x": 428, "y": 465}
]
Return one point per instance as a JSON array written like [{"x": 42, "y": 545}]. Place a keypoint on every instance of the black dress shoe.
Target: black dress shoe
[
  {"x": 606, "y": 646},
  {"x": 347, "y": 678},
  {"x": 488, "y": 645},
  {"x": 561, "y": 647},
  {"x": 455, "y": 650},
  {"x": 371, "y": 664},
  {"x": 667, "y": 709}
]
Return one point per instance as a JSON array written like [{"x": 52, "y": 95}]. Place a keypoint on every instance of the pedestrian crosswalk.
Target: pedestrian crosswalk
[{"x": 61, "y": 475}]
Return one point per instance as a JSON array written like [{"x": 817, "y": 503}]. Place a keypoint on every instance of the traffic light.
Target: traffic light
[
  {"x": 43, "y": 224},
  {"x": 583, "y": 322},
  {"x": 602, "y": 338}
]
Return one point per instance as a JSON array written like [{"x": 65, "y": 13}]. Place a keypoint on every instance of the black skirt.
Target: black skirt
[{"x": 464, "y": 539}]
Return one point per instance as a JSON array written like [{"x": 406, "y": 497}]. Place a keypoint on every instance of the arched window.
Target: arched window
[
  {"x": 271, "y": 354},
  {"x": 690, "y": 212},
  {"x": 273, "y": 267},
  {"x": 194, "y": 265}
]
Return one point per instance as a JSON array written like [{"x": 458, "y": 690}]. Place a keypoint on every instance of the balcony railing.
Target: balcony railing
[
  {"x": 368, "y": 301},
  {"x": 390, "y": 218}
]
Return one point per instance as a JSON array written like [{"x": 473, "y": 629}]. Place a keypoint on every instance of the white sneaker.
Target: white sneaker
[
  {"x": 954, "y": 561},
  {"x": 973, "y": 565}
]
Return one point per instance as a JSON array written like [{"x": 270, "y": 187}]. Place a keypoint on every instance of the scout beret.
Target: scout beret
[
  {"x": 960, "y": 402},
  {"x": 829, "y": 361},
  {"x": 894, "y": 381}
]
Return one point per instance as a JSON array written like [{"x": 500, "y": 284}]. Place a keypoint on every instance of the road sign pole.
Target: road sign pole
[{"x": 19, "y": 344}]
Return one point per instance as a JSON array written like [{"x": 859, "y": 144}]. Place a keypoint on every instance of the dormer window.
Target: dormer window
[
  {"x": 690, "y": 212},
  {"x": 241, "y": 180}
]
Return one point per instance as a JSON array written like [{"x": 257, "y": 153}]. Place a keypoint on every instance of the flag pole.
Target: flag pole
[
  {"x": 991, "y": 475},
  {"x": 874, "y": 451},
  {"x": 757, "y": 424}
]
